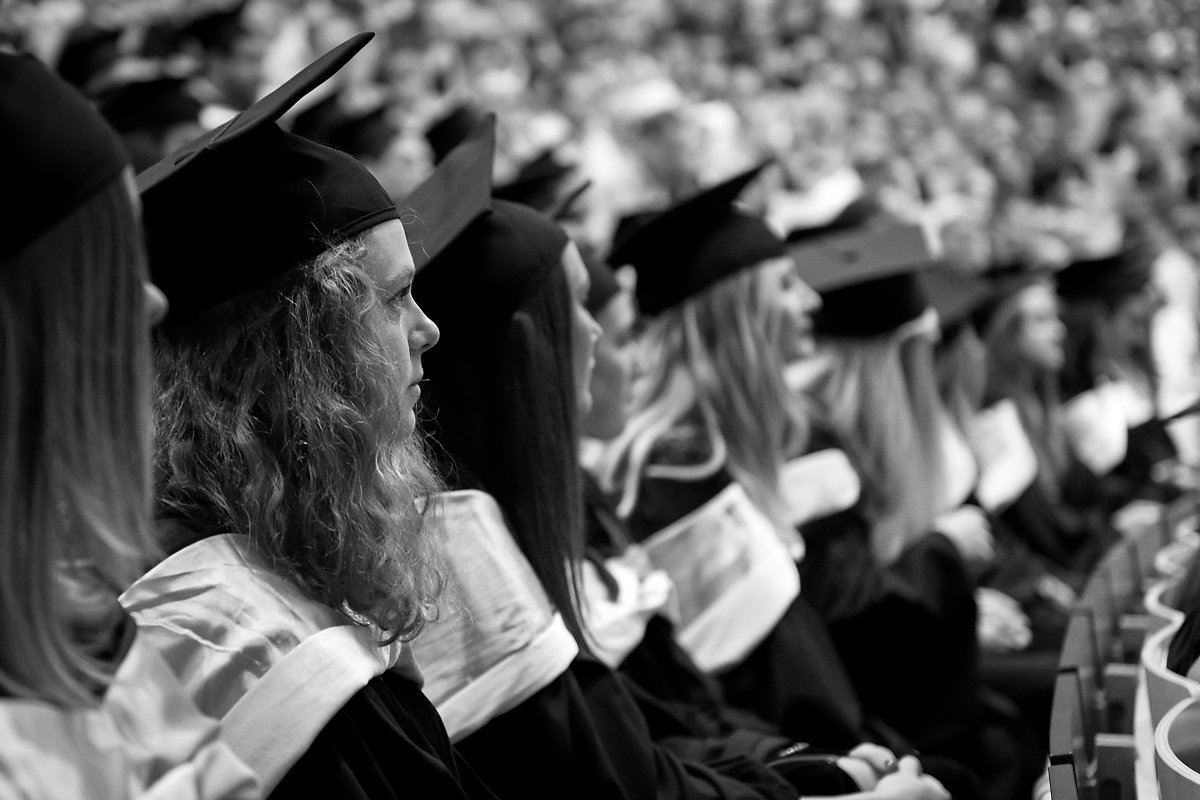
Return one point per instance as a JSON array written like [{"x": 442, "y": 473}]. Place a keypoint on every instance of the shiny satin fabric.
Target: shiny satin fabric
[
  {"x": 145, "y": 740},
  {"x": 498, "y": 639}
]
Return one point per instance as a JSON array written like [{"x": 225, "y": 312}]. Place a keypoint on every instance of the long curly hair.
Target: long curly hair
[
  {"x": 716, "y": 358},
  {"x": 74, "y": 448},
  {"x": 276, "y": 420}
]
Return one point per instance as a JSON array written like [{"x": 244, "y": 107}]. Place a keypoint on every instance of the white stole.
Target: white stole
[
  {"x": 145, "y": 740},
  {"x": 1096, "y": 426},
  {"x": 1008, "y": 463},
  {"x": 818, "y": 484},
  {"x": 255, "y": 651},
  {"x": 499, "y": 640},
  {"x": 733, "y": 574},
  {"x": 616, "y": 625}
]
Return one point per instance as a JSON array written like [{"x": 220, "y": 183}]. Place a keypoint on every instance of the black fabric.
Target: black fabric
[
  {"x": 247, "y": 202},
  {"x": 591, "y": 741},
  {"x": 56, "y": 152},
  {"x": 386, "y": 742},
  {"x": 695, "y": 244},
  {"x": 919, "y": 610}
]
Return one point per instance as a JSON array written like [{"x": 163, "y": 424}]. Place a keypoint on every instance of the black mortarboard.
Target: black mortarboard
[
  {"x": 867, "y": 279},
  {"x": 479, "y": 259},
  {"x": 151, "y": 104},
  {"x": 449, "y": 130},
  {"x": 954, "y": 294},
  {"x": 363, "y": 133},
  {"x": 56, "y": 152},
  {"x": 537, "y": 183},
  {"x": 859, "y": 213},
  {"x": 693, "y": 245},
  {"x": 248, "y": 201},
  {"x": 1111, "y": 278},
  {"x": 1005, "y": 281},
  {"x": 88, "y": 52}
]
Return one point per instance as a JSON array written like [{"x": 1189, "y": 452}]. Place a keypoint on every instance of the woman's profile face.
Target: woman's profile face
[
  {"x": 404, "y": 329},
  {"x": 613, "y": 376},
  {"x": 584, "y": 328},
  {"x": 782, "y": 290},
  {"x": 1039, "y": 332}
]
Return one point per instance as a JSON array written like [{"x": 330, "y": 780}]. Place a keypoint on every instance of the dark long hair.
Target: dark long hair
[{"x": 502, "y": 410}]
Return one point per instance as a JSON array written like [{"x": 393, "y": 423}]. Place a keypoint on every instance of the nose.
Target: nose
[
  {"x": 155, "y": 308},
  {"x": 425, "y": 332},
  {"x": 810, "y": 301}
]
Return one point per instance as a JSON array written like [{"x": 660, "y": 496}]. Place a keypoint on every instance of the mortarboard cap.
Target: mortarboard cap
[
  {"x": 478, "y": 259},
  {"x": 363, "y": 133},
  {"x": 247, "y": 202},
  {"x": 151, "y": 104},
  {"x": 1110, "y": 278},
  {"x": 458, "y": 193},
  {"x": 56, "y": 152},
  {"x": 682, "y": 251},
  {"x": 449, "y": 130},
  {"x": 88, "y": 53},
  {"x": 537, "y": 183},
  {"x": 954, "y": 294},
  {"x": 867, "y": 279}
]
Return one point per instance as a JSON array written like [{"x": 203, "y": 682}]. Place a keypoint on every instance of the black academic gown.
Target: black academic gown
[
  {"x": 583, "y": 736},
  {"x": 386, "y": 742}
]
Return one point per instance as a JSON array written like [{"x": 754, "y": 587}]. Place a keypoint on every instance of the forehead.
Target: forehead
[{"x": 388, "y": 255}]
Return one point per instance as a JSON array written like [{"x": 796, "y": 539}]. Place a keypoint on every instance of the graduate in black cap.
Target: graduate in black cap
[
  {"x": 506, "y": 386},
  {"x": 896, "y": 573},
  {"x": 1108, "y": 306},
  {"x": 703, "y": 469},
  {"x": 87, "y": 706},
  {"x": 1025, "y": 596},
  {"x": 291, "y": 489}
]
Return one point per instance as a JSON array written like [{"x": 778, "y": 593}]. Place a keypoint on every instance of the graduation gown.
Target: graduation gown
[
  {"x": 307, "y": 697},
  {"x": 549, "y": 721},
  {"x": 682, "y": 705},
  {"x": 785, "y": 668},
  {"x": 144, "y": 739}
]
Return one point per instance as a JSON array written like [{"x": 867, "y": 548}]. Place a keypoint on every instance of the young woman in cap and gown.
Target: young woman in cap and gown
[
  {"x": 291, "y": 489},
  {"x": 87, "y": 707},
  {"x": 511, "y": 671},
  {"x": 1023, "y": 337},
  {"x": 1109, "y": 381},
  {"x": 629, "y": 606},
  {"x": 701, "y": 472},
  {"x": 896, "y": 573},
  {"x": 1024, "y": 597}
]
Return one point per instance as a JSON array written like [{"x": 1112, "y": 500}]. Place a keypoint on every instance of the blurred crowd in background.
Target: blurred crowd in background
[{"x": 1015, "y": 129}]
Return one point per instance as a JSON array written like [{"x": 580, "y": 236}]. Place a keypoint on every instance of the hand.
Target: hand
[
  {"x": 881, "y": 759},
  {"x": 1002, "y": 625},
  {"x": 968, "y": 528},
  {"x": 908, "y": 783}
]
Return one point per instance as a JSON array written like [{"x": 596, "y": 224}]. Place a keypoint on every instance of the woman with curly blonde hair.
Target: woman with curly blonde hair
[{"x": 293, "y": 490}]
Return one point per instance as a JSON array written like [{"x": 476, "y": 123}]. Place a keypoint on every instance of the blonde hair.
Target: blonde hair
[
  {"x": 881, "y": 398},
  {"x": 276, "y": 420},
  {"x": 74, "y": 453},
  {"x": 1034, "y": 391},
  {"x": 715, "y": 359}
]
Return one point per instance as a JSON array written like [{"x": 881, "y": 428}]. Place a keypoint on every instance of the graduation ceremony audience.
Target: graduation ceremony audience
[{"x": 579, "y": 398}]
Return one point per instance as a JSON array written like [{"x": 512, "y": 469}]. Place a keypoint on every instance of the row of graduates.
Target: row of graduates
[{"x": 300, "y": 601}]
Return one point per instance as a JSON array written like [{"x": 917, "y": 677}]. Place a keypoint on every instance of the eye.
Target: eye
[{"x": 399, "y": 297}]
